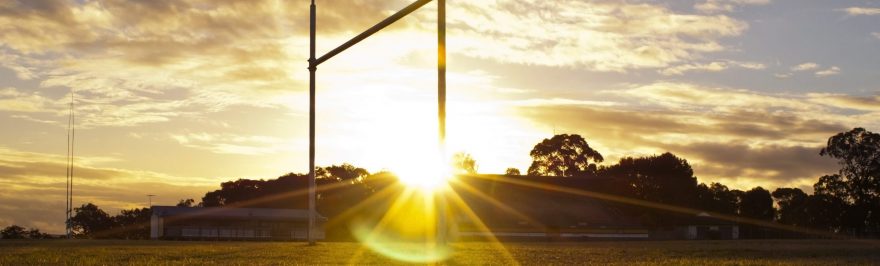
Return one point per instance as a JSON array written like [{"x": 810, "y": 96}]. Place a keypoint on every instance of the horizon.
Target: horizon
[{"x": 174, "y": 98}]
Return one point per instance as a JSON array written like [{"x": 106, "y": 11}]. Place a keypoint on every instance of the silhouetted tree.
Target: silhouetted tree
[
  {"x": 858, "y": 153},
  {"x": 134, "y": 223},
  {"x": 186, "y": 203},
  {"x": 35, "y": 233},
  {"x": 88, "y": 220},
  {"x": 858, "y": 182},
  {"x": 564, "y": 155},
  {"x": 512, "y": 171},
  {"x": 792, "y": 204},
  {"x": 286, "y": 192},
  {"x": 826, "y": 212},
  {"x": 13, "y": 232},
  {"x": 717, "y": 198},
  {"x": 664, "y": 178},
  {"x": 464, "y": 163},
  {"x": 758, "y": 204},
  {"x": 346, "y": 172}
]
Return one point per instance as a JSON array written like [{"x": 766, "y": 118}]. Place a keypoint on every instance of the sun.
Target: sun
[{"x": 429, "y": 172}]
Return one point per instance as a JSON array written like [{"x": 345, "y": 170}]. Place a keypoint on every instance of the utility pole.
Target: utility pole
[{"x": 150, "y": 200}]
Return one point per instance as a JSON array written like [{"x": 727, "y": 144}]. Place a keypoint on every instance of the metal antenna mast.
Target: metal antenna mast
[
  {"x": 71, "y": 136},
  {"x": 313, "y": 67}
]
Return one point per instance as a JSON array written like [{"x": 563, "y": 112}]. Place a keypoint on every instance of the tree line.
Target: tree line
[{"x": 847, "y": 202}]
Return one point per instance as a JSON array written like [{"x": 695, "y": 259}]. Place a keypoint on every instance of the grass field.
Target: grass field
[{"x": 774, "y": 252}]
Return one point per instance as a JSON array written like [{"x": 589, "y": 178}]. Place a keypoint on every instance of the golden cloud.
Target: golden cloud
[{"x": 598, "y": 36}]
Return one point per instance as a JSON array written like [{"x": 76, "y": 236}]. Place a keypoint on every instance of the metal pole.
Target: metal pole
[
  {"x": 441, "y": 109},
  {"x": 372, "y": 30},
  {"x": 67, "y": 176},
  {"x": 313, "y": 65},
  {"x": 312, "y": 68},
  {"x": 441, "y": 69}
]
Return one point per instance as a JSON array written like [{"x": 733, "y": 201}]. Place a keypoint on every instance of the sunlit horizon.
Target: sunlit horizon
[{"x": 173, "y": 99}]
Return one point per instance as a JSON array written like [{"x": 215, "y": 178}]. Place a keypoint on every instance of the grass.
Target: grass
[{"x": 743, "y": 252}]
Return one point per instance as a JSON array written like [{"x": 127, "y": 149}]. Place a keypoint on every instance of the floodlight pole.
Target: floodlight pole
[{"x": 313, "y": 67}]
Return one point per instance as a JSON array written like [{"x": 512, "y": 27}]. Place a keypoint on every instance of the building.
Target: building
[{"x": 170, "y": 222}]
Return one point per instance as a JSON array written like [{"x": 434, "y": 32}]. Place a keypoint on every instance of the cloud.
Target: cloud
[
  {"x": 759, "y": 163},
  {"x": 560, "y": 102},
  {"x": 834, "y": 70},
  {"x": 876, "y": 34},
  {"x": 139, "y": 62},
  {"x": 599, "y": 36},
  {"x": 716, "y": 6},
  {"x": 782, "y": 75},
  {"x": 34, "y": 187},
  {"x": 868, "y": 103},
  {"x": 805, "y": 66},
  {"x": 234, "y": 144},
  {"x": 861, "y": 11},
  {"x": 710, "y": 67},
  {"x": 740, "y": 137}
]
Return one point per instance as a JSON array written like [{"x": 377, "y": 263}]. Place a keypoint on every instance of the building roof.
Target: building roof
[{"x": 234, "y": 213}]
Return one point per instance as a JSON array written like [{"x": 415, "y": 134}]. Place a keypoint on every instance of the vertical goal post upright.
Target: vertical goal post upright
[{"x": 441, "y": 91}]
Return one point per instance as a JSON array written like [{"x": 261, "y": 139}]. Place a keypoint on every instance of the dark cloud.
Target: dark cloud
[
  {"x": 771, "y": 164},
  {"x": 769, "y": 148},
  {"x": 57, "y": 11}
]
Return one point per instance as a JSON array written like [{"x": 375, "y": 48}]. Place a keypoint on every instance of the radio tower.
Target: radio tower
[{"x": 71, "y": 135}]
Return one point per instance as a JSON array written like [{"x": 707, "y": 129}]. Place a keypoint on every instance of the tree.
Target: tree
[
  {"x": 35, "y": 233},
  {"x": 664, "y": 178},
  {"x": 464, "y": 163},
  {"x": 346, "y": 172},
  {"x": 564, "y": 155},
  {"x": 858, "y": 182},
  {"x": 89, "y": 220},
  {"x": 13, "y": 232},
  {"x": 824, "y": 212},
  {"x": 858, "y": 153},
  {"x": 134, "y": 223},
  {"x": 792, "y": 204},
  {"x": 186, "y": 203},
  {"x": 512, "y": 171},
  {"x": 757, "y": 204},
  {"x": 717, "y": 198}
]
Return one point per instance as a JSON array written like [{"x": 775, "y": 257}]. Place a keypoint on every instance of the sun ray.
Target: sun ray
[
  {"x": 455, "y": 198},
  {"x": 240, "y": 204},
  {"x": 500, "y": 205},
  {"x": 661, "y": 206},
  {"x": 381, "y": 194},
  {"x": 392, "y": 211}
]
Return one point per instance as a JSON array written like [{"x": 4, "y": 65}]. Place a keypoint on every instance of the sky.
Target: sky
[{"x": 174, "y": 97}]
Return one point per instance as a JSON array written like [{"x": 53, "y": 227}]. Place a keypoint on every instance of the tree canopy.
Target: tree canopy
[
  {"x": 463, "y": 163},
  {"x": 664, "y": 178},
  {"x": 564, "y": 155},
  {"x": 758, "y": 204}
]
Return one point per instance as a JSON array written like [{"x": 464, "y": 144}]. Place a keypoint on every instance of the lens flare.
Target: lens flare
[
  {"x": 408, "y": 231},
  {"x": 428, "y": 173}
]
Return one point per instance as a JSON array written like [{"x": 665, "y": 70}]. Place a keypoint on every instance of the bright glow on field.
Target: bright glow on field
[
  {"x": 408, "y": 230},
  {"x": 427, "y": 173}
]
